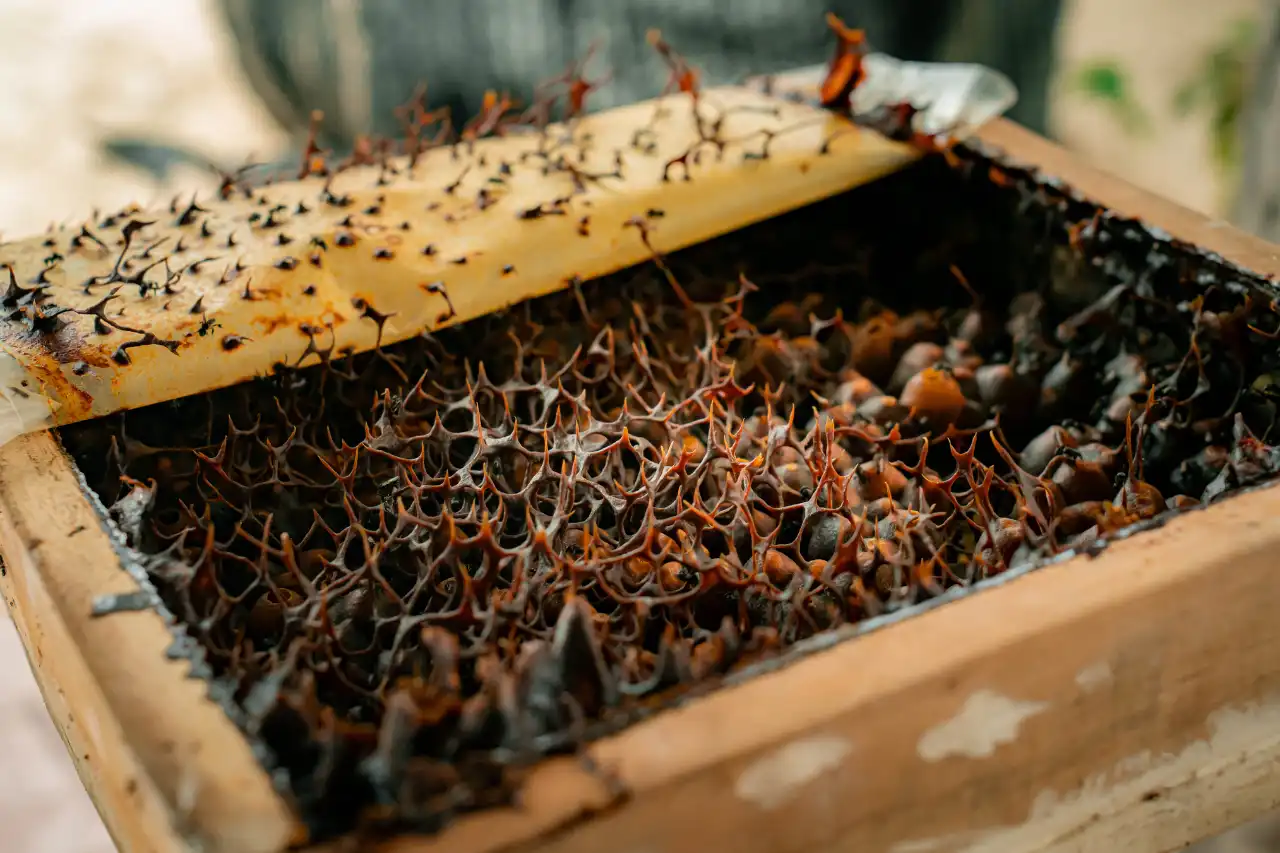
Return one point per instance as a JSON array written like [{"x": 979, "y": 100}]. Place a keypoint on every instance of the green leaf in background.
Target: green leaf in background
[
  {"x": 1106, "y": 82},
  {"x": 1220, "y": 86}
]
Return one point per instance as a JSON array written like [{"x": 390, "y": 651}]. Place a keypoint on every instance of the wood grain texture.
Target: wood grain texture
[{"x": 1130, "y": 701}]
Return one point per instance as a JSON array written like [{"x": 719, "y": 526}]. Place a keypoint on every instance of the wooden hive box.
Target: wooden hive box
[{"x": 1126, "y": 700}]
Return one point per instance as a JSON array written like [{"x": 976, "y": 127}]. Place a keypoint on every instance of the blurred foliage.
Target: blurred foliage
[
  {"x": 1217, "y": 89},
  {"x": 1106, "y": 82},
  {"x": 1220, "y": 87}
]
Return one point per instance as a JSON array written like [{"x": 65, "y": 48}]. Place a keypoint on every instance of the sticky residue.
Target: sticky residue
[
  {"x": 776, "y": 778},
  {"x": 986, "y": 722},
  {"x": 1094, "y": 677}
]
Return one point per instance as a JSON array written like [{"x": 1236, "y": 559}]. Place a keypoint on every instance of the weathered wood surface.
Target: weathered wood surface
[{"x": 1130, "y": 701}]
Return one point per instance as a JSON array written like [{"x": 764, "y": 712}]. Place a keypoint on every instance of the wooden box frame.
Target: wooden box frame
[{"x": 1125, "y": 701}]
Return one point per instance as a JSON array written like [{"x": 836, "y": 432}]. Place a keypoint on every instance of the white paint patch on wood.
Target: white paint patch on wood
[
  {"x": 1162, "y": 798},
  {"x": 1094, "y": 677},
  {"x": 777, "y": 777},
  {"x": 986, "y": 722}
]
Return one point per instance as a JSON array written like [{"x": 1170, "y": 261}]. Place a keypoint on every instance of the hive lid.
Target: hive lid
[{"x": 143, "y": 306}]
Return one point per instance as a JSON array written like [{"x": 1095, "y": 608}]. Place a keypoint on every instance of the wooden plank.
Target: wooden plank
[
  {"x": 488, "y": 225},
  {"x": 1130, "y": 701},
  {"x": 164, "y": 765},
  {"x": 1214, "y": 234}
]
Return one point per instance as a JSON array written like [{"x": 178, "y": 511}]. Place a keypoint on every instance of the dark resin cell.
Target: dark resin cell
[{"x": 416, "y": 571}]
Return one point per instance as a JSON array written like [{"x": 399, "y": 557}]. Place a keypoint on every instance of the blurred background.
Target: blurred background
[{"x": 106, "y": 102}]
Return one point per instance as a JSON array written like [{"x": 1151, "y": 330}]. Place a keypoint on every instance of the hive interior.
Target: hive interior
[{"x": 412, "y": 573}]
